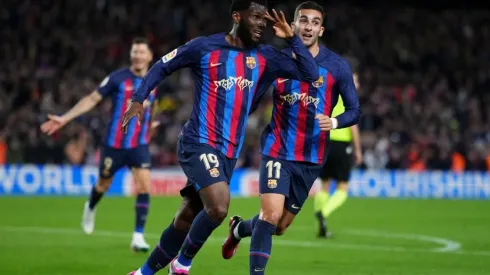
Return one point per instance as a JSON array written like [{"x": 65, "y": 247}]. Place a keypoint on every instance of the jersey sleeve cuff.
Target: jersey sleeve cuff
[
  {"x": 139, "y": 99},
  {"x": 295, "y": 40}
]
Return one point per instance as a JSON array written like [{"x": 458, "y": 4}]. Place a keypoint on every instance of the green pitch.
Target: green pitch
[{"x": 372, "y": 236}]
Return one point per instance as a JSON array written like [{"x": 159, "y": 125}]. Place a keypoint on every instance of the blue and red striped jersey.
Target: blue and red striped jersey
[
  {"x": 226, "y": 81},
  {"x": 119, "y": 86},
  {"x": 294, "y": 133}
]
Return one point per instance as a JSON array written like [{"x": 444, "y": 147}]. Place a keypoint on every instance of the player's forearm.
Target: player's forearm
[
  {"x": 356, "y": 138},
  {"x": 305, "y": 62},
  {"x": 154, "y": 76},
  {"x": 85, "y": 104},
  {"x": 348, "y": 118}
]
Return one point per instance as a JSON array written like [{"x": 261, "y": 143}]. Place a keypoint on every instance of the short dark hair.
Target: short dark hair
[
  {"x": 140, "y": 40},
  {"x": 309, "y": 5},
  {"x": 241, "y": 5}
]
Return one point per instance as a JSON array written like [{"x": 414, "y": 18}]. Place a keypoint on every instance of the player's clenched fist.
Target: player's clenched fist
[
  {"x": 135, "y": 109},
  {"x": 325, "y": 122}
]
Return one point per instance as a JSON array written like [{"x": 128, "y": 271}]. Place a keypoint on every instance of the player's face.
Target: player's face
[
  {"x": 308, "y": 26},
  {"x": 252, "y": 23},
  {"x": 355, "y": 76},
  {"x": 140, "y": 56}
]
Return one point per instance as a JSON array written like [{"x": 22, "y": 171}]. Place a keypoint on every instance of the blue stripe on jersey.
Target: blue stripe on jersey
[
  {"x": 146, "y": 124},
  {"x": 230, "y": 101},
  {"x": 322, "y": 94},
  {"x": 203, "y": 131},
  {"x": 117, "y": 112},
  {"x": 250, "y": 97},
  {"x": 294, "y": 113},
  {"x": 272, "y": 125}
]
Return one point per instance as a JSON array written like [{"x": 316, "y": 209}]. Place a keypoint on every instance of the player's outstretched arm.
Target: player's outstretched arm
[
  {"x": 348, "y": 93},
  {"x": 303, "y": 66},
  {"x": 85, "y": 104}
]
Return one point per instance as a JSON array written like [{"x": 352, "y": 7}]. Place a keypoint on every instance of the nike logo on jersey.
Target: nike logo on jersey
[
  {"x": 212, "y": 65},
  {"x": 294, "y": 206},
  {"x": 282, "y": 80}
]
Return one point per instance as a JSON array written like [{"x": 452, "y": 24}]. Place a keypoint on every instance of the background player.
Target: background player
[
  {"x": 295, "y": 143},
  {"x": 119, "y": 150},
  {"x": 338, "y": 168},
  {"x": 230, "y": 70}
]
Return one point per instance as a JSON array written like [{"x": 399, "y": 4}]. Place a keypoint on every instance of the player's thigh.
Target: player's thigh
[
  {"x": 210, "y": 172},
  {"x": 303, "y": 177},
  {"x": 111, "y": 160},
  {"x": 274, "y": 185}
]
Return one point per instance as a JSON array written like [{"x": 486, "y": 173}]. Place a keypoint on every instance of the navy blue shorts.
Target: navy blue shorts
[
  {"x": 203, "y": 165},
  {"x": 112, "y": 159},
  {"x": 290, "y": 178}
]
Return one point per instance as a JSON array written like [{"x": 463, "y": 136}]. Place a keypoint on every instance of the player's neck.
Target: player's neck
[
  {"x": 314, "y": 49},
  {"x": 234, "y": 39},
  {"x": 140, "y": 73}
]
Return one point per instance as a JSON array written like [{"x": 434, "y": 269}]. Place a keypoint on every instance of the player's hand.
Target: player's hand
[
  {"x": 53, "y": 124},
  {"x": 135, "y": 109},
  {"x": 325, "y": 122},
  {"x": 153, "y": 128},
  {"x": 358, "y": 158},
  {"x": 281, "y": 27}
]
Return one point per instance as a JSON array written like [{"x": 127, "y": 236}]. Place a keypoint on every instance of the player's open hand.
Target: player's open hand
[
  {"x": 281, "y": 26},
  {"x": 153, "y": 128},
  {"x": 325, "y": 122},
  {"x": 135, "y": 109},
  {"x": 53, "y": 124}
]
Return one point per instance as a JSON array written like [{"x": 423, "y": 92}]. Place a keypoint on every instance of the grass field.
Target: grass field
[{"x": 42, "y": 236}]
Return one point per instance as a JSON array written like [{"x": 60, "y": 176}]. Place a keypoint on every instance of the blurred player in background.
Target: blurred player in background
[
  {"x": 119, "y": 150},
  {"x": 296, "y": 141},
  {"x": 338, "y": 168},
  {"x": 231, "y": 70}
]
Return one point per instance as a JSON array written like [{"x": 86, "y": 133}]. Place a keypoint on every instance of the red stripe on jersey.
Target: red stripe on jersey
[
  {"x": 276, "y": 145},
  {"x": 212, "y": 97},
  {"x": 128, "y": 91},
  {"x": 240, "y": 72},
  {"x": 327, "y": 110},
  {"x": 301, "y": 123}
]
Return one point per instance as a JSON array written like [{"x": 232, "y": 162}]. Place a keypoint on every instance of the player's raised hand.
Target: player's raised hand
[
  {"x": 135, "y": 109},
  {"x": 281, "y": 27},
  {"x": 325, "y": 122},
  {"x": 53, "y": 124}
]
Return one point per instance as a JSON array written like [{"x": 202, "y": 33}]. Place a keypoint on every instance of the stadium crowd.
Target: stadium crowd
[{"x": 425, "y": 78}]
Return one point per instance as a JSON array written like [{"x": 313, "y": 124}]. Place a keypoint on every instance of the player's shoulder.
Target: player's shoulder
[
  {"x": 202, "y": 42},
  {"x": 268, "y": 50},
  {"x": 332, "y": 61},
  {"x": 116, "y": 76}
]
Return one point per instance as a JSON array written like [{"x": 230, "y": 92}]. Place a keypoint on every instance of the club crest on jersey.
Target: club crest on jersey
[
  {"x": 169, "y": 56},
  {"x": 318, "y": 83},
  {"x": 272, "y": 183},
  {"x": 214, "y": 172},
  {"x": 251, "y": 64}
]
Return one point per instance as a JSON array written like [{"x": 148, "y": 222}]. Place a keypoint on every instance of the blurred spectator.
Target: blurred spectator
[{"x": 425, "y": 77}]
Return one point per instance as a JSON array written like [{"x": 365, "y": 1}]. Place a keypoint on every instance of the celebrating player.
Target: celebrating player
[
  {"x": 338, "y": 168},
  {"x": 119, "y": 150},
  {"x": 230, "y": 71},
  {"x": 295, "y": 143}
]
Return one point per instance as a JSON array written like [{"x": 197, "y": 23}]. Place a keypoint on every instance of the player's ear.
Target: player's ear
[
  {"x": 322, "y": 29},
  {"x": 236, "y": 17},
  {"x": 293, "y": 26}
]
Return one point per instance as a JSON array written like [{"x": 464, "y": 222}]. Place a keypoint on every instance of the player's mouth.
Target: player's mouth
[
  {"x": 257, "y": 34},
  {"x": 307, "y": 35}
]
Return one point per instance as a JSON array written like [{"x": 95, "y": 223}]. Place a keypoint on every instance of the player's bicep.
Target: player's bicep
[
  {"x": 95, "y": 96},
  {"x": 347, "y": 89}
]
